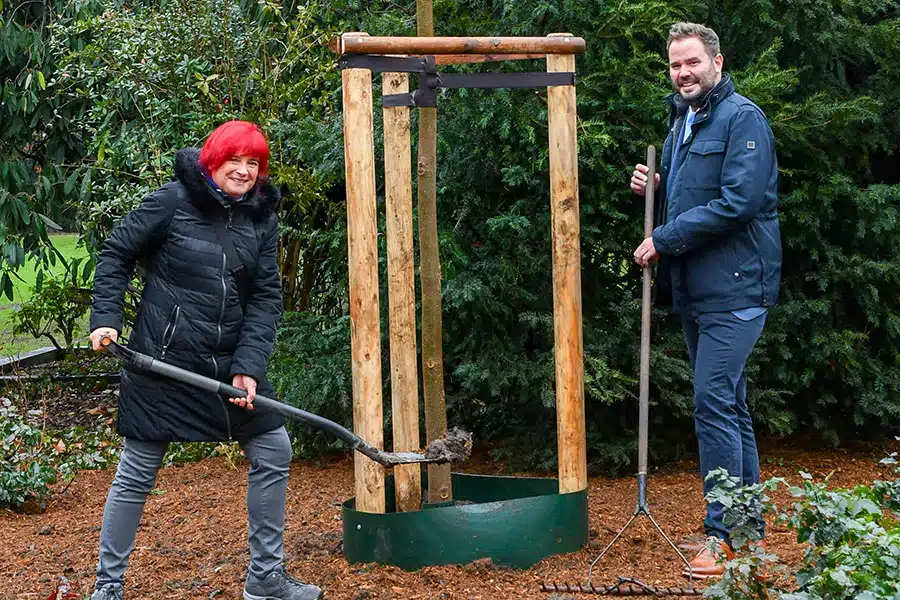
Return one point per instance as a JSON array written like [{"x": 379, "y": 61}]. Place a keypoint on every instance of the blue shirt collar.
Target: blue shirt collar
[{"x": 219, "y": 193}]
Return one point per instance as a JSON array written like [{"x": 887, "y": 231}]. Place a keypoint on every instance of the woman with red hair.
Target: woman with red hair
[{"x": 211, "y": 302}]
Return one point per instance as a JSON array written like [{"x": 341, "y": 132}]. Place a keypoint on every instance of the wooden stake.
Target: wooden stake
[
  {"x": 439, "y": 485},
  {"x": 401, "y": 292},
  {"x": 564, "y": 210},
  {"x": 365, "y": 329}
]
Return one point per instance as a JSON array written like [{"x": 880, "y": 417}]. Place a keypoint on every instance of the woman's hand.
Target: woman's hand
[
  {"x": 98, "y": 334},
  {"x": 244, "y": 382}
]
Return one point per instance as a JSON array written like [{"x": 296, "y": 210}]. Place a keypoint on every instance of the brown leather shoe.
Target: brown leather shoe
[
  {"x": 750, "y": 546},
  {"x": 708, "y": 564},
  {"x": 692, "y": 544}
]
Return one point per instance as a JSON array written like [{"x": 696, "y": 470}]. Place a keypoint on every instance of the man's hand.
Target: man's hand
[
  {"x": 639, "y": 179},
  {"x": 646, "y": 253},
  {"x": 98, "y": 334},
  {"x": 244, "y": 382}
]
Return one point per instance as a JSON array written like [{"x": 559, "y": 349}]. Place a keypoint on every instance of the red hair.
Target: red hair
[{"x": 232, "y": 139}]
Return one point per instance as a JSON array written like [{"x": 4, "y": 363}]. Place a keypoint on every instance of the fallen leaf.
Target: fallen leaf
[{"x": 64, "y": 591}]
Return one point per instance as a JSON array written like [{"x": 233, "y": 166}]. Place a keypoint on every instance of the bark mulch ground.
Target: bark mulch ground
[{"x": 191, "y": 543}]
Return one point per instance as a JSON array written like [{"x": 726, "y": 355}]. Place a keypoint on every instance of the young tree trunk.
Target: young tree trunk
[
  {"x": 291, "y": 256},
  {"x": 439, "y": 489}
]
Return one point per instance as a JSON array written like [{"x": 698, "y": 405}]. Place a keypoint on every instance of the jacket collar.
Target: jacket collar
[
  {"x": 262, "y": 200},
  {"x": 678, "y": 106}
]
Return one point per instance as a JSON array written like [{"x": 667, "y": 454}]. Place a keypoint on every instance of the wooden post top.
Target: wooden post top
[{"x": 361, "y": 43}]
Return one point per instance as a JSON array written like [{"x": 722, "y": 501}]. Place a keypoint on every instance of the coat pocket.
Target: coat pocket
[
  {"x": 169, "y": 331},
  {"x": 712, "y": 273},
  {"x": 703, "y": 165}
]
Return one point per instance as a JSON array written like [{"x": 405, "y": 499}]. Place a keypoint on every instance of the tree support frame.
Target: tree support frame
[{"x": 361, "y": 55}]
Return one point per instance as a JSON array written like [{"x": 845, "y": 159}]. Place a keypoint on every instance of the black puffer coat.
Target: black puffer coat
[{"x": 190, "y": 313}]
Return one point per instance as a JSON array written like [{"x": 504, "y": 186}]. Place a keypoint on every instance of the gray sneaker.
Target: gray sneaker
[
  {"x": 278, "y": 585},
  {"x": 110, "y": 591}
]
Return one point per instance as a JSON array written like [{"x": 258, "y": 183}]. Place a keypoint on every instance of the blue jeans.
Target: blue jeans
[
  {"x": 719, "y": 345},
  {"x": 269, "y": 455}
]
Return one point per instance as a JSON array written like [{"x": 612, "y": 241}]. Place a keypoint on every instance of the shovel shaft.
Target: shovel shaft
[{"x": 148, "y": 363}]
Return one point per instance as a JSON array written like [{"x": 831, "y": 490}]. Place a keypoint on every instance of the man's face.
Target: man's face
[{"x": 692, "y": 70}]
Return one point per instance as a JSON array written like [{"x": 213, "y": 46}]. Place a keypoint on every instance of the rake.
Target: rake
[{"x": 627, "y": 586}]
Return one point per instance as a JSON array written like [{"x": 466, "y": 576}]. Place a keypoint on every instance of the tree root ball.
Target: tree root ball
[{"x": 454, "y": 446}]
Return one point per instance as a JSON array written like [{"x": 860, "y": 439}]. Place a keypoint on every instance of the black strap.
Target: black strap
[
  {"x": 425, "y": 95},
  {"x": 237, "y": 267},
  {"x": 504, "y": 80},
  {"x": 430, "y": 80},
  {"x": 383, "y": 64}
]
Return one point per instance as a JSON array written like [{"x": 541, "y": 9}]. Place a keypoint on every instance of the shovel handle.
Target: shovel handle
[{"x": 148, "y": 363}]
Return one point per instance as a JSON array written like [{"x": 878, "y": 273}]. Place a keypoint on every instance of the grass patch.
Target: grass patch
[
  {"x": 23, "y": 285},
  {"x": 67, "y": 244}
]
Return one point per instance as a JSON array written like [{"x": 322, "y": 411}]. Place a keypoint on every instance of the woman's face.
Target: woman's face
[{"x": 237, "y": 175}]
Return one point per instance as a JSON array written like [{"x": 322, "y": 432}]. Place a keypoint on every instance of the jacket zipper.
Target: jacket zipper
[
  {"x": 219, "y": 325},
  {"x": 169, "y": 332}
]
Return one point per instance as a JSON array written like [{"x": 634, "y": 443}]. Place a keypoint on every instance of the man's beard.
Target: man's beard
[{"x": 703, "y": 85}]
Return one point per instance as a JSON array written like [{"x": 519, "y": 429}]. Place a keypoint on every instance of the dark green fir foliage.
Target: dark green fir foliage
[
  {"x": 148, "y": 79},
  {"x": 826, "y": 365}
]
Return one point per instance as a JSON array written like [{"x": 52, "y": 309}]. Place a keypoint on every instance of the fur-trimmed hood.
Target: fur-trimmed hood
[{"x": 263, "y": 199}]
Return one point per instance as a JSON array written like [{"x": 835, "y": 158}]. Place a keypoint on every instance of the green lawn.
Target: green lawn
[
  {"x": 22, "y": 290},
  {"x": 66, "y": 244}
]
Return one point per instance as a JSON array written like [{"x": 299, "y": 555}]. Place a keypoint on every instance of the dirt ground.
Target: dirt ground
[{"x": 191, "y": 543}]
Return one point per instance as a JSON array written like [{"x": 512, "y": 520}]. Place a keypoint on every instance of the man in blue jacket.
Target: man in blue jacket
[{"x": 719, "y": 252}]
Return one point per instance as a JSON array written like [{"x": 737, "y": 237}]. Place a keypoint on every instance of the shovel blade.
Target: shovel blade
[{"x": 406, "y": 458}]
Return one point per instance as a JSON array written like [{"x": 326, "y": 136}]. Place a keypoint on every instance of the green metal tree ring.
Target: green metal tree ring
[{"x": 514, "y": 521}]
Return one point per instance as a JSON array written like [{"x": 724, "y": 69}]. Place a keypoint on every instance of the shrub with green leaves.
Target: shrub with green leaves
[
  {"x": 26, "y": 470},
  {"x": 851, "y": 537},
  {"x": 123, "y": 86},
  {"x": 55, "y": 309},
  {"x": 180, "y": 453},
  {"x": 32, "y": 461},
  {"x": 310, "y": 369}
]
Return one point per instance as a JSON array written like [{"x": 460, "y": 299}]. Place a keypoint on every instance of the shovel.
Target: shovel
[{"x": 455, "y": 445}]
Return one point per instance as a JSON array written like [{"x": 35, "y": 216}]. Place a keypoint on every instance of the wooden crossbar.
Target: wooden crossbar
[{"x": 353, "y": 43}]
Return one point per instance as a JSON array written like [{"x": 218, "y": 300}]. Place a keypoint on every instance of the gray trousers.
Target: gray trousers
[{"x": 269, "y": 455}]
